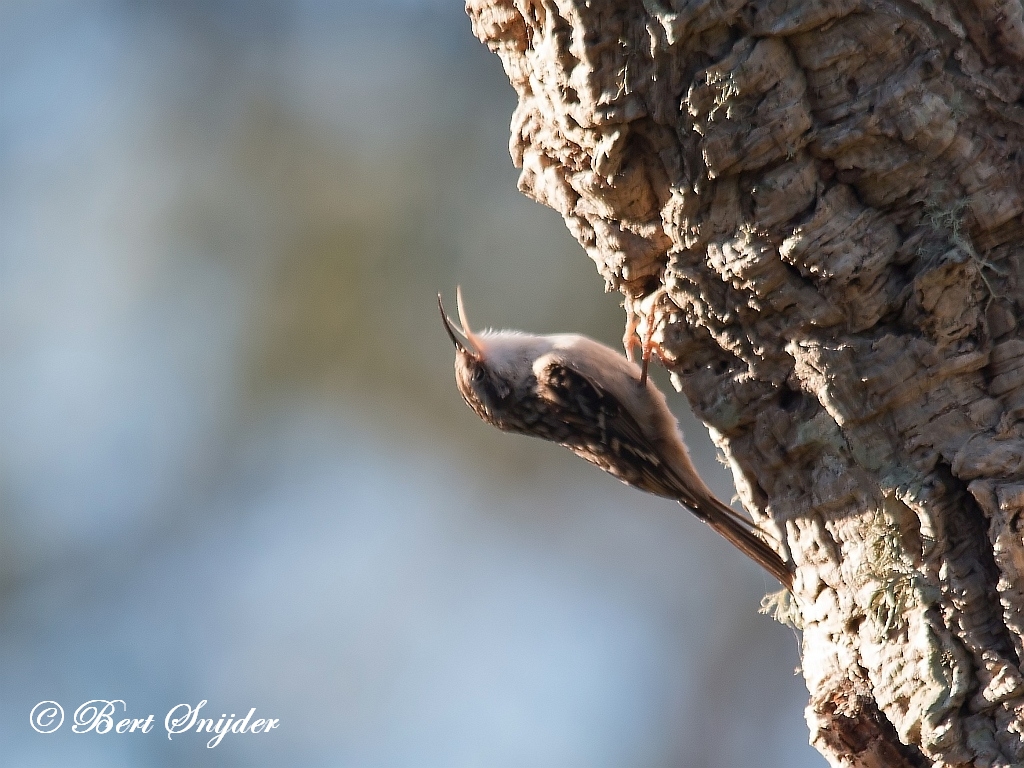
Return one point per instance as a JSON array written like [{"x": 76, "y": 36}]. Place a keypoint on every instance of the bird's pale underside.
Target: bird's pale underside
[{"x": 586, "y": 396}]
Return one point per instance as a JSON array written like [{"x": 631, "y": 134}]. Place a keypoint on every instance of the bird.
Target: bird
[{"x": 582, "y": 394}]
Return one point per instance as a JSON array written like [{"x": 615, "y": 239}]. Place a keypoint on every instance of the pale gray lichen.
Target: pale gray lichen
[
  {"x": 782, "y": 607},
  {"x": 897, "y": 582}
]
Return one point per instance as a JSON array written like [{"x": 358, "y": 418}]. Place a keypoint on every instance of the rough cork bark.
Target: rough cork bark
[{"x": 818, "y": 205}]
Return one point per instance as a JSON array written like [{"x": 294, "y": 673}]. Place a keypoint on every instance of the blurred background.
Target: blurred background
[{"x": 234, "y": 465}]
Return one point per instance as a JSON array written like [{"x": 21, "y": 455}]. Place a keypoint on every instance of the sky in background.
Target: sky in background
[{"x": 234, "y": 466}]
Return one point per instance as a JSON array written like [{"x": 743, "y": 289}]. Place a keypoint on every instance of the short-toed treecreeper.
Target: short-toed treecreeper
[{"x": 586, "y": 396}]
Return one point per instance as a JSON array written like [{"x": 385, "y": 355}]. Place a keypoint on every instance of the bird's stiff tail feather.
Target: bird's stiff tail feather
[{"x": 724, "y": 520}]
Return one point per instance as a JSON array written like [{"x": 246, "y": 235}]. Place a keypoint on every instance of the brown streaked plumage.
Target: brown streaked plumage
[{"x": 586, "y": 396}]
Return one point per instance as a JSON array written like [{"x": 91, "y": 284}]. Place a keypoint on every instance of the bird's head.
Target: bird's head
[{"x": 492, "y": 368}]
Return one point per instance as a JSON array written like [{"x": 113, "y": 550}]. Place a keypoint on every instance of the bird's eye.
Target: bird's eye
[{"x": 478, "y": 374}]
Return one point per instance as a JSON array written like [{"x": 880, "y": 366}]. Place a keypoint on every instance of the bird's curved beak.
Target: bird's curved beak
[
  {"x": 471, "y": 337},
  {"x": 449, "y": 326}
]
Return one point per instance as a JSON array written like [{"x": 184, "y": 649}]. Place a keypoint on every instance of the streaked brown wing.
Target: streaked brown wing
[
  {"x": 618, "y": 444},
  {"x": 601, "y": 430},
  {"x": 596, "y": 426}
]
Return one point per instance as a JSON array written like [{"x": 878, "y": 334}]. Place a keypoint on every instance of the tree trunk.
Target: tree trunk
[{"x": 817, "y": 205}]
